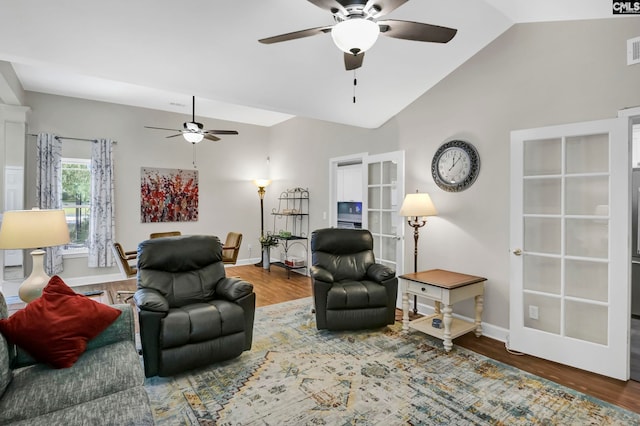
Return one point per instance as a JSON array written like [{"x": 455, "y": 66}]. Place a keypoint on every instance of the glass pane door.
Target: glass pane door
[
  {"x": 385, "y": 188},
  {"x": 568, "y": 284}
]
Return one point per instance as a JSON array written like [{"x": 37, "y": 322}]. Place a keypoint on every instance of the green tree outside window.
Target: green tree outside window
[{"x": 76, "y": 198}]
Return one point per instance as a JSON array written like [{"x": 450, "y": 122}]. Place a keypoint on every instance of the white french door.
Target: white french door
[
  {"x": 384, "y": 195},
  {"x": 13, "y": 195},
  {"x": 570, "y": 267}
]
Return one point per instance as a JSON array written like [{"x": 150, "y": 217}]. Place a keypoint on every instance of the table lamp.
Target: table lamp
[
  {"x": 416, "y": 207},
  {"x": 33, "y": 229}
]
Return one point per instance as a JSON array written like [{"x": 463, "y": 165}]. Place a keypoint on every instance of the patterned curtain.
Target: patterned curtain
[
  {"x": 49, "y": 190},
  {"x": 102, "y": 216}
]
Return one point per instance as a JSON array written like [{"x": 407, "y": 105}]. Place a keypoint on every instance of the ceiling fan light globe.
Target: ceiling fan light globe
[
  {"x": 193, "y": 137},
  {"x": 355, "y": 35}
]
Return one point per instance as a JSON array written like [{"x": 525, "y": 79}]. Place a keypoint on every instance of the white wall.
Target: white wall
[{"x": 533, "y": 75}]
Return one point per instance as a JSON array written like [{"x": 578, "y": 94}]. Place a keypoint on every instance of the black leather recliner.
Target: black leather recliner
[
  {"x": 191, "y": 314},
  {"x": 351, "y": 291}
]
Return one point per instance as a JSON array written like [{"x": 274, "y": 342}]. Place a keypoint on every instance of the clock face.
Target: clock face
[{"x": 455, "y": 166}]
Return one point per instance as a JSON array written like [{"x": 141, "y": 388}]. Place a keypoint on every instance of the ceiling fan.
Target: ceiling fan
[
  {"x": 193, "y": 131},
  {"x": 358, "y": 25}
]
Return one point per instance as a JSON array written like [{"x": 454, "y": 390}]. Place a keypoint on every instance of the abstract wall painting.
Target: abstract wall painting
[{"x": 168, "y": 195}]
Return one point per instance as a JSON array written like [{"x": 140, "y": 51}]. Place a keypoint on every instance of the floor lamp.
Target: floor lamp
[
  {"x": 416, "y": 207},
  {"x": 261, "y": 184},
  {"x": 33, "y": 229}
]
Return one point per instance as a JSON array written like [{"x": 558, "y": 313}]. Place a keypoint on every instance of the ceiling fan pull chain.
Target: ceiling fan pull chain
[
  {"x": 355, "y": 83},
  {"x": 194, "y": 156}
]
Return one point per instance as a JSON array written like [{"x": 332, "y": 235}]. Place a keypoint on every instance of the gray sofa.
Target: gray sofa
[{"x": 104, "y": 387}]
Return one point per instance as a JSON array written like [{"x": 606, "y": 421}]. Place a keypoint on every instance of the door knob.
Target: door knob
[{"x": 517, "y": 252}]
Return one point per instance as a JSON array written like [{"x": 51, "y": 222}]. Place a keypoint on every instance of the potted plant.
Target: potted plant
[{"x": 267, "y": 241}]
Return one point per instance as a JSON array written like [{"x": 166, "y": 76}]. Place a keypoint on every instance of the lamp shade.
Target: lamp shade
[
  {"x": 355, "y": 35},
  {"x": 418, "y": 205},
  {"x": 193, "y": 137},
  {"x": 28, "y": 229},
  {"x": 262, "y": 183}
]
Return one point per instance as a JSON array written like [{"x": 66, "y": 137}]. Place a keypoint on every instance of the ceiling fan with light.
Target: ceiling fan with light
[
  {"x": 358, "y": 25},
  {"x": 193, "y": 131}
]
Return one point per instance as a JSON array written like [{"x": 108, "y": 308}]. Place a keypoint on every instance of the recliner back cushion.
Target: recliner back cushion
[
  {"x": 345, "y": 267},
  {"x": 183, "y": 269},
  {"x": 346, "y": 253}
]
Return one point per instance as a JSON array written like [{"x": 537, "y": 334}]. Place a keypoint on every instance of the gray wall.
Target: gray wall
[
  {"x": 533, "y": 75},
  {"x": 228, "y": 200}
]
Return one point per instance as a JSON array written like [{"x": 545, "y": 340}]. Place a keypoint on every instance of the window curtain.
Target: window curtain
[
  {"x": 49, "y": 190},
  {"x": 102, "y": 216}
]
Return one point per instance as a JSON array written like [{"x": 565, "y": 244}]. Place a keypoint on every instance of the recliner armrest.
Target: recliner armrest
[
  {"x": 148, "y": 299},
  {"x": 379, "y": 272},
  {"x": 321, "y": 274},
  {"x": 232, "y": 289}
]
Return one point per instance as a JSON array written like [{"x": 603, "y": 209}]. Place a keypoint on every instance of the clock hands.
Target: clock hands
[{"x": 455, "y": 160}]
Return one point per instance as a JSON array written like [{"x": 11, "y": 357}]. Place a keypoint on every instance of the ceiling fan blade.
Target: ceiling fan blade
[
  {"x": 173, "y": 136},
  {"x": 296, "y": 34},
  {"x": 417, "y": 31},
  {"x": 352, "y": 62},
  {"x": 161, "y": 128},
  {"x": 383, "y": 7},
  {"x": 331, "y": 5},
  {"x": 211, "y": 137},
  {"x": 222, "y": 132}
]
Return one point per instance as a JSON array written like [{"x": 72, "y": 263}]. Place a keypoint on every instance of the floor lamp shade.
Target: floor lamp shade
[
  {"x": 33, "y": 229},
  {"x": 418, "y": 205}
]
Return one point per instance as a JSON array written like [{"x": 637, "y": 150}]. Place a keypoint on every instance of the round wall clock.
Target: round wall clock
[{"x": 455, "y": 166}]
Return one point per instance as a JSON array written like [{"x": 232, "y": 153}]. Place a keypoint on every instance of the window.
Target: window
[{"x": 76, "y": 202}]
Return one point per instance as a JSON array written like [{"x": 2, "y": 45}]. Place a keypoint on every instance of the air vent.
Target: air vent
[{"x": 633, "y": 51}]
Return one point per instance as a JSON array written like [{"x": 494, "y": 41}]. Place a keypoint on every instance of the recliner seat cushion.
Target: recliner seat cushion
[
  {"x": 356, "y": 294},
  {"x": 200, "y": 322}
]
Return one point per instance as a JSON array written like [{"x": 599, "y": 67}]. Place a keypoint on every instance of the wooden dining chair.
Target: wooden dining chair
[
  {"x": 231, "y": 248},
  {"x": 164, "y": 234},
  {"x": 125, "y": 258}
]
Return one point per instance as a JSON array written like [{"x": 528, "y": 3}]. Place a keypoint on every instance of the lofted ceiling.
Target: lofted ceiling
[{"x": 157, "y": 53}]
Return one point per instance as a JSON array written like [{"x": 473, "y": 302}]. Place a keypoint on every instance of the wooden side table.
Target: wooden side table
[{"x": 446, "y": 288}]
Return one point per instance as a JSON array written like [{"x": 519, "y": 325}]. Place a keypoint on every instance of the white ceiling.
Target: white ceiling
[{"x": 156, "y": 53}]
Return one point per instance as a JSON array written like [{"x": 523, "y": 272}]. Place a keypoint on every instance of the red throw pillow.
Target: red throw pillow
[{"x": 56, "y": 327}]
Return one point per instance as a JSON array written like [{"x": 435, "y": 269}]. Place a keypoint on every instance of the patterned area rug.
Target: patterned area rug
[{"x": 297, "y": 375}]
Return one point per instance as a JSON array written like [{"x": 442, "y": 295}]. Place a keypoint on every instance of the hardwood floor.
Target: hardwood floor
[{"x": 274, "y": 287}]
